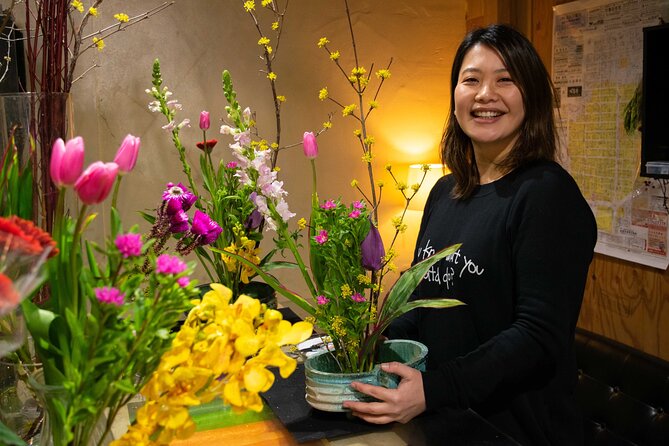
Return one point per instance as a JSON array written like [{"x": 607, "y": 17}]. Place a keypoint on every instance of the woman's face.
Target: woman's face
[{"x": 488, "y": 104}]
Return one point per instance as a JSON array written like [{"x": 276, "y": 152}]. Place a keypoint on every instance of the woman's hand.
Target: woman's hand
[{"x": 401, "y": 404}]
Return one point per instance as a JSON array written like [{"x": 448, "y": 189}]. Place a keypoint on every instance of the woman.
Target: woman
[{"x": 527, "y": 239}]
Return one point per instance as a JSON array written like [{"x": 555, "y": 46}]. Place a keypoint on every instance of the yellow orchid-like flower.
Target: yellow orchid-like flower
[{"x": 222, "y": 350}]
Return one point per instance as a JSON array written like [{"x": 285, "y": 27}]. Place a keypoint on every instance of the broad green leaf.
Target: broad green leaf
[{"x": 9, "y": 438}]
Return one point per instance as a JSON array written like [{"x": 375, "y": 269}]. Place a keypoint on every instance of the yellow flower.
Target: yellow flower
[
  {"x": 367, "y": 157},
  {"x": 369, "y": 141},
  {"x": 301, "y": 223},
  {"x": 373, "y": 104},
  {"x": 327, "y": 125},
  {"x": 401, "y": 185},
  {"x": 271, "y": 76},
  {"x": 121, "y": 17},
  {"x": 249, "y": 6},
  {"x": 363, "y": 279},
  {"x": 263, "y": 41},
  {"x": 383, "y": 74},
  {"x": 358, "y": 72},
  {"x": 323, "y": 94},
  {"x": 415, "y": 187},
  {"x": 345, "y": 291},
  {"x": 389, "y": 167},
  {"x": 357, "y": 132},
  {"x": 98, "y": 43},
  {"x": 76, "y": 4},
  {"x": 398, "y": 224},
  {"x": 266, "y": 3},
  {"x": 322, "y": 42},
  {"x": 275, "y": 25},
  {"x": 380, "y": 184},
  {"x": 334, "y": 55},
  {"x": 425, "y": 167},
  {"x": 354, "y": 183},
  {"x": 281, "y": 98},
  {"x": 348, "y": 110},
  {"x": 93, "y": 11},
  {"x": 276, "y": 168}
]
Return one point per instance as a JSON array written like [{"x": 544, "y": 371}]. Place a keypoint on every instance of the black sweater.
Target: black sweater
[{"x": 527, "y": 241}]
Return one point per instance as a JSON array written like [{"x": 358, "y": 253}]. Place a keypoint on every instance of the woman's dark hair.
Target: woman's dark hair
[{"x": 537, "y": 136}]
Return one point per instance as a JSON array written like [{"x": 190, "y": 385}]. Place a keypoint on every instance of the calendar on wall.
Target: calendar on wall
[{"x": 597, "y": 66}]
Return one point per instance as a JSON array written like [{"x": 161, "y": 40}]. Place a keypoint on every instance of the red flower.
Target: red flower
[
  {"x": 22, "y": 235},
  {"x": 9, "y": 297},
  {"x": 207, "y": 145}
]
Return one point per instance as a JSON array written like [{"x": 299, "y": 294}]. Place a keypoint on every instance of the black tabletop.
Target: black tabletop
[{"x": 447, "y": 427}]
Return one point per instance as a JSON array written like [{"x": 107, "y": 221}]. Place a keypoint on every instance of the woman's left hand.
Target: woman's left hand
[{"x": 401, "y": 404}]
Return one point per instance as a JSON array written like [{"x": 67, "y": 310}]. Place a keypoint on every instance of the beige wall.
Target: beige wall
[{"x": 196, "y": 39}]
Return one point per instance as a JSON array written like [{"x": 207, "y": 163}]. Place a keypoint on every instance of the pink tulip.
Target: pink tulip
[
  {"x": 204, "y": 120},
  {"x": 67, "y": 161},
  {"x": 310, "y": 146},
  {"x": 126, "y": 155},
  {"x": 96, "y": 182}
]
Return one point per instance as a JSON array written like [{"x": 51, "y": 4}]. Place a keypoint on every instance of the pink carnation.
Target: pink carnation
[
  {"x": 357, "y": 297},
  {"x": 167, "y": 264},
  {"x": 328, "y": 205},
  {"x": 354, "y": 214},
  {"x": 322, "y": 300},
  {"x": 109, "y": 295},
  {"x": 183, "y": 281},
  {"x": 322, "y": 237},
  {"x": 130, "y": 245},
  {"x": 359, "y": 204}
]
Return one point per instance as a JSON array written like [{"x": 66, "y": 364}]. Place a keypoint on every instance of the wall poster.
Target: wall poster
[{"x": 597, "y": 65}]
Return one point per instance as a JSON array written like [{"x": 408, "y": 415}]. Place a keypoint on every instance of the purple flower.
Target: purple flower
[
  {"x": 354, "y": 213},
  {"x": 357, "y": 297},
  {"x": 253, "y": 221},
  {"x": 372, "y": 250},
  {"x": 328, "y": 205},
  {"x": 183, "y": 281},
  {"x": 205, "y": 227},
  {"x": 322, "y": 300},
  {"x": 179, "y": 221},
  {"x": 167, "y": 264},
  {"x": 109, "y": 295},
  {"x": 130, "y": 245},
  {"x": 322, "y": 237},
  {"x": 178, "y": 198}
]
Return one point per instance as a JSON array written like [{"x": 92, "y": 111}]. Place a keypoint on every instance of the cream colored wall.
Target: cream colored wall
[{"x": 196, "y": 39}]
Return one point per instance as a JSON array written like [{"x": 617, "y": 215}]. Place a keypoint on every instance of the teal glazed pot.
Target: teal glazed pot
[{"x": 327, "y": 388}]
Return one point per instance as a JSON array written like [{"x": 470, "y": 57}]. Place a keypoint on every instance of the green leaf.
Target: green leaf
[
  {"x": 274, "y": 283},
  {"x": 9, "y": 438},
  {"x": 394, "y": 303},
  {"x": 148, "y": 217},
  {"x": 125, "y": 386}
]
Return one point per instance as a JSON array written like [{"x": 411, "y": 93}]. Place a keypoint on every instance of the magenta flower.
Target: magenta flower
[
  {"x": 96, "y": 182},
  {"x": 130, "y": 245},
  {"x": 359, "y": 204},
  {"x": 322, "y": 237},
  {"x": 204, "y": 120},
  {"x": 372, "y": 250},
  {"x": 354, "y": 213},
  {"x": 167, "y": 264},
  {"x": 178, "y": 198},
  {"x": 310, "y": 145},
  {"x": 126, "y": 155},
  {"x": 322, "y": 300},
  {"x": 179, "y": 222},
  {"x": 183, "y": 281},
  {"x": 231, "y": 165},
  {"x": 357, "y": 297},
  {"x": 204, "y": 226},
  {"x": 67, "y": 161},
  {"x": 328, "y": 205},
  {"x": 109, "y": 295}
]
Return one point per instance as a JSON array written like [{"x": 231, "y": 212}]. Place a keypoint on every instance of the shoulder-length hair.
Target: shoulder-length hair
[{"x": 537, "y": 137}]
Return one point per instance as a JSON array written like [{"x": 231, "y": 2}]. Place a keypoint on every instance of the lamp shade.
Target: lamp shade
[{"x": 415, "y": 176}]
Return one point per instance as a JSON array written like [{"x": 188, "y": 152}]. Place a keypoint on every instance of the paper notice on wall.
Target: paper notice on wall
[{"x": 597, "y": 66}]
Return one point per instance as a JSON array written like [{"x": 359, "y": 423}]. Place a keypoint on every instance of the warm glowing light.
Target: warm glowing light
[{"x": 415, "y": 176}]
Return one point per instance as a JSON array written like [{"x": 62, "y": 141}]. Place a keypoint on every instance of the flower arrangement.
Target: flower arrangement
[
  {"x": 107, "y": 321},
  {"x": 222, "y": 350},
  {"x": 233, "y": 201},
  {"x": 348, "y": 261}
]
